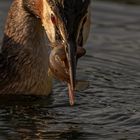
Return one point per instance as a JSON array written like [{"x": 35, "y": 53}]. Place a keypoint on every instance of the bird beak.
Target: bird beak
[{"x": 71, "y": 59}]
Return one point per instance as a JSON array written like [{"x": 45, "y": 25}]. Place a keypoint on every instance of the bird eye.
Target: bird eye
[{"x": 53, "y": 19}]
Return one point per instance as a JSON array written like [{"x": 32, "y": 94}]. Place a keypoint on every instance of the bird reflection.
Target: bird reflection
[{"x": 34, "y": 118}]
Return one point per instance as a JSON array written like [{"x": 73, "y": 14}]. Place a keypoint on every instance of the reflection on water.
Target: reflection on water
[{"x": 109, "y": 109}]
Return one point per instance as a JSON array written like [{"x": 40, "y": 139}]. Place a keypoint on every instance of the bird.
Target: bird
[{"x": 42, "y": 36}]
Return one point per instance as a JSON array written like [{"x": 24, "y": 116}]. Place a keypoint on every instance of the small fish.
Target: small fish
[
  {"x": 60, "y": 69},
  {"x": 58, "y": 64}
]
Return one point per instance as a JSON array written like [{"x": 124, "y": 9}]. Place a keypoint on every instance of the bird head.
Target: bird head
[{"x": 66, "y": 22}]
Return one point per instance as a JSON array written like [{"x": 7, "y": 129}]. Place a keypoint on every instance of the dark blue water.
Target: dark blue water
[{"x": 109, "y": 109}]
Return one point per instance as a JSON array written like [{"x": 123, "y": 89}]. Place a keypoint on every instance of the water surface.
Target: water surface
[{"x": 109, "y": 109}]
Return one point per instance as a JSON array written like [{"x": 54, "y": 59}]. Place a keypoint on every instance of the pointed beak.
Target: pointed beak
[{"x": 71, "y": 59}]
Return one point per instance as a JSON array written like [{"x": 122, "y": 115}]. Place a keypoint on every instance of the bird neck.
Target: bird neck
[
  {"x": 22, "y": 30},
  {"x": 24, "y": 48}
]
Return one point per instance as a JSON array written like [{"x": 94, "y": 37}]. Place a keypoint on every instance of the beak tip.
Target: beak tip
[
  {"x": 71, "y": 95},
  {"x": 71, "y": 103}
]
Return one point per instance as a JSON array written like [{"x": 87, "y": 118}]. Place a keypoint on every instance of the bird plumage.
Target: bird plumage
[{"x": 24, "y": 57}]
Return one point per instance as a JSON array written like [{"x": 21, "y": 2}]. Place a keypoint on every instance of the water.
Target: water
[{"x": 109, "y": 109}]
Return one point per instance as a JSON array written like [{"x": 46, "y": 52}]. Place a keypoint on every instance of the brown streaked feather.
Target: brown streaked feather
[
  {"x": 35, "y": 7},
  {"x": 24, "y": 54}
]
